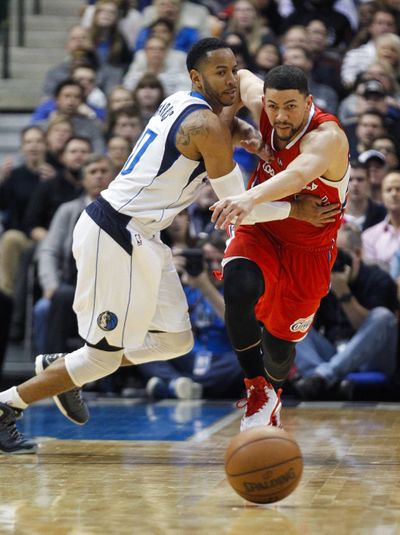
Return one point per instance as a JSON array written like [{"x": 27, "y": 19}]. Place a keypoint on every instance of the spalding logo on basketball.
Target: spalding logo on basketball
[{"x": 107, "y": 321}]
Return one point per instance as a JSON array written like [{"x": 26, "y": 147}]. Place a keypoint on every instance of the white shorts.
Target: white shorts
[{"x": 121, "y": 296}]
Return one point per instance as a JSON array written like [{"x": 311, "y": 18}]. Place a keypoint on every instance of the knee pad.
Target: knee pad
[
  {"x": 243, "y": 283},
  {"x": 279, "y": 356},
  {"x": 89, "y": 364},
  {"x": 162, "y": 346}
]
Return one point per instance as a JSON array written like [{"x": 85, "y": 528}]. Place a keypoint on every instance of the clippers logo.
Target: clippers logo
[
  {"x": 138, "y": 239},
  {"x": 268, "y": 168},
  {"x": 107, "y": 321},
  {"x": 312, "y": 186},
  {"x": 302, "y": 324}
]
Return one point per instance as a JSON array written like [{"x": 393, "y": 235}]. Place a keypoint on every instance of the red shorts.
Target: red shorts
[{"x": 296, "y": 279}]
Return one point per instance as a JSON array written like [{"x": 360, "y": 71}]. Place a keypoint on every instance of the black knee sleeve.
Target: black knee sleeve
[
  {"x": 278, "y": 357},
  {"x": 243, "y": 286}
]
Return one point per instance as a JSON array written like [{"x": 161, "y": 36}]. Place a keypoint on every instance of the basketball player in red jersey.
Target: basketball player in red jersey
[{"x": 277, "y": 272}]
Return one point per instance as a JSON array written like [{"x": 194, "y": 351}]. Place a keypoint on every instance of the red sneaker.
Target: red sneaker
[{"x": 263, "y": 404}]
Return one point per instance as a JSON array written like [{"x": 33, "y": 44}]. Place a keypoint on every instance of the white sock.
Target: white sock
[{"x": 11, "y": 397}]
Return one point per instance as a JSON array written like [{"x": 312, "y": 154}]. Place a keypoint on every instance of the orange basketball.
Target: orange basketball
[{"x": 263, "y": 464}]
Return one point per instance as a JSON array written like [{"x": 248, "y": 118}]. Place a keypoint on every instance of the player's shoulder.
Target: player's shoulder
[
  {"x": 329, "y": 131},
  {"x": 202, "y": 122}
]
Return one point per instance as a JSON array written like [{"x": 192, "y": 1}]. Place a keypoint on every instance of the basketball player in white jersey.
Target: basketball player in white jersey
[{"x": 130, "y": 305}]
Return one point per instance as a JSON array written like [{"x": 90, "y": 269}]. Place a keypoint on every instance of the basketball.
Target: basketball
[{"x": 263, "y": 464}]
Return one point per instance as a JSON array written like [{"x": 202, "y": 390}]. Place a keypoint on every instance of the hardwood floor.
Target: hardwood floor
[{"x": 350, "y": 484}]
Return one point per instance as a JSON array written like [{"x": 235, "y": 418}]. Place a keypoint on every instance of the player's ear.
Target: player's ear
[
  {"x": 309, "y": 101},
  {"x": 196, "y": 79}
]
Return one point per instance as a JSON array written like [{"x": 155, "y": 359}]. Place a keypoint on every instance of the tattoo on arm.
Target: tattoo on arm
[{"x": 195, "y": 125}]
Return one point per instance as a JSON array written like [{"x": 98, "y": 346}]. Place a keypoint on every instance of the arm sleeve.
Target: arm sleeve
[{"x": 232, "y": 184}]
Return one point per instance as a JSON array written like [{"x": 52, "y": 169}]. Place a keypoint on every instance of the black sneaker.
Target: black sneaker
[
  {"x": 11, "y": 440},
  {"x": 71, "y": 404}
]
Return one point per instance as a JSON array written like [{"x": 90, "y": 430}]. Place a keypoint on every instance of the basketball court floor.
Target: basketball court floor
[{"x": 157, "y": 469}]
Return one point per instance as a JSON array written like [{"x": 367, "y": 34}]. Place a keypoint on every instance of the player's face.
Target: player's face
[
  {"x": 287, "y": 111},
  {"x": 217, "y": 78}
]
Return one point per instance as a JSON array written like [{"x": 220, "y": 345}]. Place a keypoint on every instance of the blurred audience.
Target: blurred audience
[{"x": 355, "y": 328}]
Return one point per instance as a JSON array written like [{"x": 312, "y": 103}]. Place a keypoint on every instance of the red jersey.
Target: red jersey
[{"x": 293, "y": 231}]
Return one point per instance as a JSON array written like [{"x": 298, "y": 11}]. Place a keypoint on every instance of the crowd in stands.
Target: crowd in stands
[{"x": 123, "y": 57}]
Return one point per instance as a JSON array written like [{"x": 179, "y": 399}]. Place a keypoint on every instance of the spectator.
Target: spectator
[
  {"x": 95, "y": 100},
  {"x": 69, "y": 96},
  {"x": 361, "y": 210},
  {"x": 119, "y": 98},
  {"x": 296, "y": 35},
  {"x": 155, "y": 59},
  {"x": 93, "y": 103},
  {"x": 370, "y": 126},
  {"x": 386, "y": 146},
  {"x": 59, "y": 131},
  {"x": 359, "y": 321},
  {"x": 324, "y": 97},
  {"x": 381, "y": 241},
  {"x": 358, "y": 59},
  {"x": 377, "y": 169},
  {"x": 129, "y": 23},
  {"x": 15, "y": 194},
  {"x": 126, "y": 123},
  {"x": 326, "y": 63},
  {"x": 54, "y": 321},
  {"x": 78, "y": 40},
  {"x": 45, "y": 200},
  {"x": 191, "y": 22},
  {"x": 388, "y": 49},
  {"x": 246, "y": 21},
  {"x": 339, "y": 28},
  {"x": 64, "y": 187},
  {"x": 267, "y": 56},
  {"x": 386, "y": 97},
  {"x": 110, "y": 45},
  {"x": 148, "y": 95},
  {"x": 118, "y": 150},
  {"x": 239, "y": 46},
  {"x": 199, "y": 212}
]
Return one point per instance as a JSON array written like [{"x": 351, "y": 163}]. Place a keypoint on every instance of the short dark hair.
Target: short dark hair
[
  {"x": 66, "y": 83},
  {"x": 198, "y": 53},
  {"x": 285, "y": 77},
  {"x": 356, "y": 164},
  {"x": 79, "y": 138}
]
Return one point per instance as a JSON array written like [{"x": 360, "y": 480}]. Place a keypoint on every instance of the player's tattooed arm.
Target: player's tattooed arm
[{"x": 192, "y": 128}]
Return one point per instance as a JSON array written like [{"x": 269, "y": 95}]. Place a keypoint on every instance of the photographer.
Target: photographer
[
  {"x": 211, "y": 369},
  {"x": 355, "y": 328}
]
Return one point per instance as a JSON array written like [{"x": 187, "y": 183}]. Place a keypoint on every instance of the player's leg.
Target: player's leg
[
  {"x": 244, "y": 285},
  {"x": 103, "y": 311},
  {"x": 279, "y": 357}
]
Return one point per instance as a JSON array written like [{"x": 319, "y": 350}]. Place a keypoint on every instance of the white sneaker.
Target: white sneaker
[
  {"x": 263, "y": 404},
  {"x": 185, "y": 388}
]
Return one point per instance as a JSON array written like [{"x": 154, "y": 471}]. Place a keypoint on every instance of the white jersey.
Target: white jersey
[{"x": 157, "y": 181}]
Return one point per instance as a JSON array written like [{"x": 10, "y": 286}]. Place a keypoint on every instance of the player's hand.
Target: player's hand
[
  {"x": 257, "y": 146},
  {"x": 231, "y": 210},
  {"x": 309, "y": 208}
]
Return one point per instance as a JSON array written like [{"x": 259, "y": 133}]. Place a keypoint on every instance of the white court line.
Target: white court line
[{"x": 204, "y": 434}]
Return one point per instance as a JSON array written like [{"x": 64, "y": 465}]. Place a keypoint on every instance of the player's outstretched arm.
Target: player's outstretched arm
[{"x": 323, "y": 153}]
